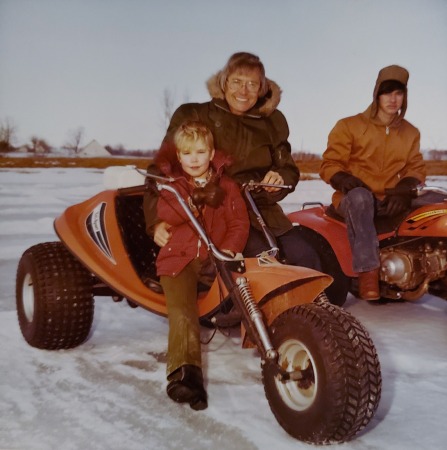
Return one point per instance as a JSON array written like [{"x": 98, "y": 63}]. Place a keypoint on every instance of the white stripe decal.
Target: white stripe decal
[{"x": 95, "y": 225}]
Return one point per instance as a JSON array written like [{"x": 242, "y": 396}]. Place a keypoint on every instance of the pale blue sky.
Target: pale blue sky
[{"x": 103, "y": 64}]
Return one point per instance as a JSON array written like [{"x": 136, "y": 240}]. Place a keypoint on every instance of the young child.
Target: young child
[{"x": 217, "y": 202}]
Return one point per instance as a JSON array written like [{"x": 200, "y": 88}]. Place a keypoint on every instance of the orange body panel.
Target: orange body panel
[
  {"x": 114, "y": 269},
  {"x": 287, "y": 285},
  {"x": 102, "y": 251},
  {"x": 430, "y": 220}
]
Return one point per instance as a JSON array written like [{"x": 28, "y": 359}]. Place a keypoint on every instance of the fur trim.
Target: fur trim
[{"x": 265, "y": 105}]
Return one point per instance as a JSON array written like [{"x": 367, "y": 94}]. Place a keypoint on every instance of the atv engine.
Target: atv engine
[{"x": 411, "y": 266}]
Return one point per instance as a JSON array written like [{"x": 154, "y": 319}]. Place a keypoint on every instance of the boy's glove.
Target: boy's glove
[
  {"x": 400, "y": 199},
  {"x": 211, "y": 194},
  {"x": 406, "y": 186},
  {"x": 344, "y": 182}
]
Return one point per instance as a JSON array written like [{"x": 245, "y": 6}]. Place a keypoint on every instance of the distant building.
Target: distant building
[
  {"x": 22, "y": 149},
  {"x": 94, "y": 149},
  {"x": 41, "y": 149}
]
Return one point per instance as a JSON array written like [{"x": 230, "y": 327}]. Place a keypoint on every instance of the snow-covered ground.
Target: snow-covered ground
[{"x": 109, "y": 393}]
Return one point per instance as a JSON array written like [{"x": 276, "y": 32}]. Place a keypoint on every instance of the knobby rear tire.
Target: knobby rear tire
[{"x": 54, "y": 295}]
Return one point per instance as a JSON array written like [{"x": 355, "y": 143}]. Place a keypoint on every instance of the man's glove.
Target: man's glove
[
  {"x": 344, "y": 182},
  {"x": 211, "y": 194},
  {"x": 400, "y": 200}
]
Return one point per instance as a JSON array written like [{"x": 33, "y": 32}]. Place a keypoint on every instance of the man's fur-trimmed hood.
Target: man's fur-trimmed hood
[{"x": 264, "y": 106}]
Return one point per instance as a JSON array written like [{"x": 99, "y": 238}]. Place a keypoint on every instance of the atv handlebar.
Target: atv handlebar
[
  {"x": 215, "y": 251},
  {"x": 416, "y": 191},
  {"x": 424, "y": 189},
  {"x": 250, "y": 186},
  {"x": 162, "y": 183}
]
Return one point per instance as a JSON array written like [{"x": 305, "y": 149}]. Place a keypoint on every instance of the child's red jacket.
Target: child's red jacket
[{"x": 227, "y": 225}]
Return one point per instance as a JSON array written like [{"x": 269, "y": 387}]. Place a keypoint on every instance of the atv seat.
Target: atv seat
[{"x": 140, "y": 247}]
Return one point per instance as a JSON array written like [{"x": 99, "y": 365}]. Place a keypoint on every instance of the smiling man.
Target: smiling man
[
  {"x": 252, "y": 132},
  {"x": 367, "y": 154}
]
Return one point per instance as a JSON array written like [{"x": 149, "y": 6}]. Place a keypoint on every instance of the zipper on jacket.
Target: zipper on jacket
[
  {"x": 387, "y": 130},
  {"x": 199, "y": 244}
]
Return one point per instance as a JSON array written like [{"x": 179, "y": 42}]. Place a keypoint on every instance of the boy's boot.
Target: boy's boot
[{"x": 369, "y": 285}]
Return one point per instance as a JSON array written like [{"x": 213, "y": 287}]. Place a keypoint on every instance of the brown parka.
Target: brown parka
[
  {"x": 380, "y": 155},
  {"x": 256, "y": 142}
]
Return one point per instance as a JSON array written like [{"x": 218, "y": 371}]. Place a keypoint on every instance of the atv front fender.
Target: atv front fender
[
  {"x": 278, "y": 287},
  {"x": 332, "y": 230}
]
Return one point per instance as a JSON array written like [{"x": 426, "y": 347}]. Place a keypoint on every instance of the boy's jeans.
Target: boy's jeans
[{"x": 358, "y": 208}]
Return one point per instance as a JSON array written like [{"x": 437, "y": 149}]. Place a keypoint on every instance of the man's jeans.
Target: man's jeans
[
  {"x": 358, "y": 207},
  {"x": 292, "y": 246}
]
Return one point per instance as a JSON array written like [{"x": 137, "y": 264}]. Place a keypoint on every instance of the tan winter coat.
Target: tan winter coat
[{"x": 379, "y": 155}]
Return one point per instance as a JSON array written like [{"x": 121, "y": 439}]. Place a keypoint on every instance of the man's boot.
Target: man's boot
[{"x": 369, "y": 285}]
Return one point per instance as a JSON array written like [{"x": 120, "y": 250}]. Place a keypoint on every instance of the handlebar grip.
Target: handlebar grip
[{"x": 413, "y": 192}]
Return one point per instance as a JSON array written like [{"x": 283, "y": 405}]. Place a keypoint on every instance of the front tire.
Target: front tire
[
  {"x": 54, "y": 295},
  {"x": 341, "y": 389}
]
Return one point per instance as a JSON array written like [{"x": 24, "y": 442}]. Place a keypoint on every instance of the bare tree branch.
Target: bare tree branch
[
  {"x": 39, "y": 145},
  {"x": 75, "y": 138},
  {"x": 8, "y": 131},
  {"x": 168, "y": 107}
]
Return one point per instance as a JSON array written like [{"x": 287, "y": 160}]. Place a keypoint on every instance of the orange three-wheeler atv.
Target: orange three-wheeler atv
[
  {"x": 320, "y": 369},
  {"x": 412, "y": 247}
]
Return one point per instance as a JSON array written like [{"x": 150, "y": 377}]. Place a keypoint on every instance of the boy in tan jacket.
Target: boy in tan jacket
[{"x": 367, "y": 154}]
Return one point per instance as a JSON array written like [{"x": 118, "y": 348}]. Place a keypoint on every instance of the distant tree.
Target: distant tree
[
  {"x": 167, "y": 107},
  {"x": 8, "y": 132},
  {"x": 168, "y": 103},
  {"x": 75, "y": 138},
  {"x": 40, "y": 146},
  {"x": 116, "y": 150},
  {"x": 305, "y": 156},
  {"x": 120, "y": 149},
  {"x": 434, "y": 155}
]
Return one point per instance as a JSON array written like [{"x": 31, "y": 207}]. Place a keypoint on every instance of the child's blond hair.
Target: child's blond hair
[{"x": 191, "y": 131}]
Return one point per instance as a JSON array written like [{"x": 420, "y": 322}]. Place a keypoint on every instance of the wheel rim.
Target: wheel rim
[
  {"x": 294, "y": 355},
  {"x": 28, "y": 297}
]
